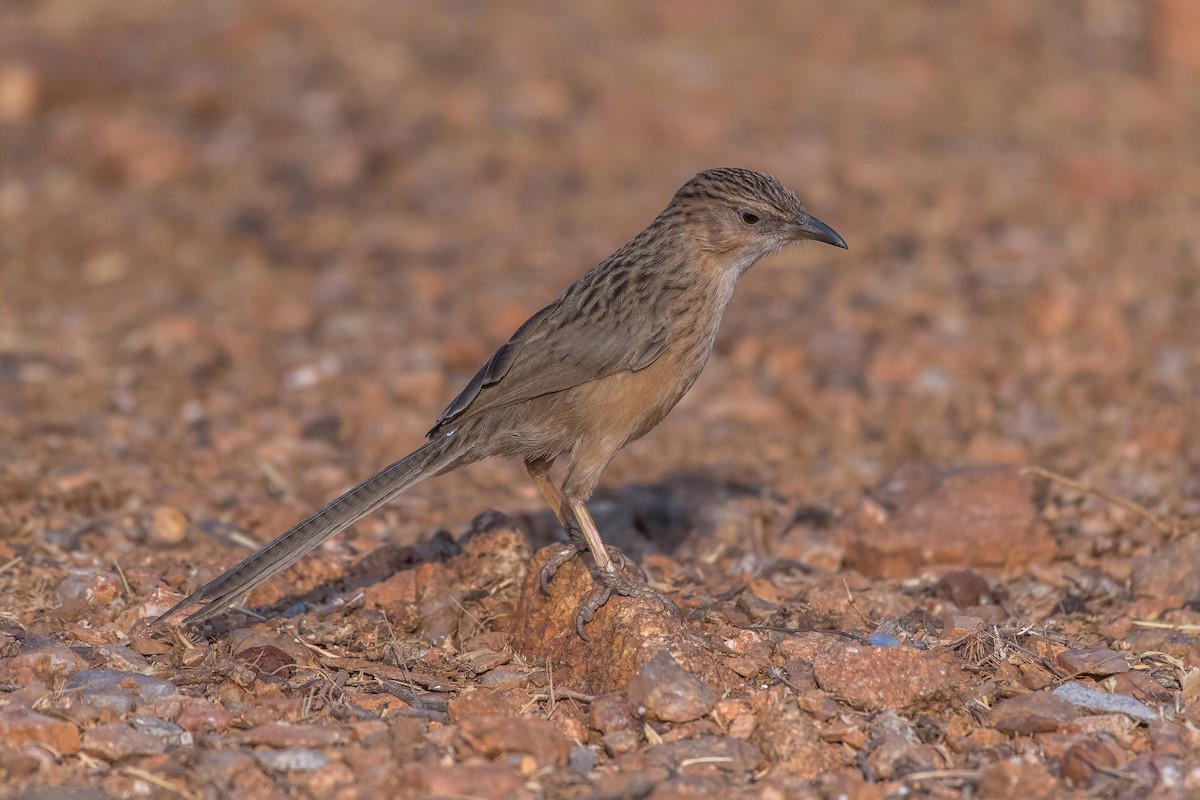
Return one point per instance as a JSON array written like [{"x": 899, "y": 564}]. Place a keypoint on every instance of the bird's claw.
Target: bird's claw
[
  {"x": 588, "y": 608},
  {"x": 610, "y": 583},
  {"x": 554, "y": 563},
  {"x": 573, "y": 548}
]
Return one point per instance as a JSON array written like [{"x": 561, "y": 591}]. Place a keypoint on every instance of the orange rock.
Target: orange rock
[
  {"x": 662, "y": 690},
  {"x": 789, "y": 738},
  {"x": 45, "y": 666},
  {"x": 898, "y": 678},
  {"x": 19, "y": 91},
  {"x": 1084, "y": 759},
  {"x": 496, "y": 735},
  {"x": 479, "y": 704},
  {"x": 1032, "y": 713},
  {"x": 1018, "y": 779},
  {"x": 626, "y": 633},
  {"x": 1175, "y": 35},
  {"x": 169, "y": 526},
  {"x": 400, "y": 588},
  {"x": 279, "y": 734},
  {"x": 115, "y": 741},
  {"x": 611, "y": 712},
  {"x": 19, "y": 726},
  {"x": 974, "y": 515}
]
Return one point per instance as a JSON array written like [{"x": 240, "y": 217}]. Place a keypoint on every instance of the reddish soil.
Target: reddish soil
[{"x": 931, "y": 515}]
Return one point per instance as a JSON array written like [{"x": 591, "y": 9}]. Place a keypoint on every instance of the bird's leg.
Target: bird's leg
[
  {"x": 590, "y": 534},
  {"x": 539, "y": 473},
  {"x": 609, "y": 580},
  {"x": 539, "y": 470}
]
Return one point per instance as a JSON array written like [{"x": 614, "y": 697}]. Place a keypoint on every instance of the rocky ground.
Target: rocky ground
[{"x": 931, "y": 515}]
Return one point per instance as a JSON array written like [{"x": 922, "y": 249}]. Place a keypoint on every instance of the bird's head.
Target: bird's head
[{"x": 746, "y": 215}]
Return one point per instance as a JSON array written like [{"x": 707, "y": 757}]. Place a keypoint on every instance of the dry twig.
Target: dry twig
[{"x": 1165, "y": 528}]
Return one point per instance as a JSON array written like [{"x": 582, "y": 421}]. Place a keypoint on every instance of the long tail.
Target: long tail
[{"x": 441, "y": 454}]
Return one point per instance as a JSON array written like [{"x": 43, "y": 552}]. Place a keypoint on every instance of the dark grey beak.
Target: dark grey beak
[{"x": 809, "y": 227}]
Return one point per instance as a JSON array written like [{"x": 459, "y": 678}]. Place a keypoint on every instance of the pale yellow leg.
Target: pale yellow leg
[
  {"x": 590, "y": 534},
  {"x": 539, "y": 473}
]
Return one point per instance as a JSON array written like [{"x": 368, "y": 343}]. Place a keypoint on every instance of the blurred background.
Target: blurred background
[{"x": 248, "y": 250}]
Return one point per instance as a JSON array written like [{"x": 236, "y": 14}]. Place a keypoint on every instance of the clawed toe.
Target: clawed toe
[
  {"x": 626, "y": 578},
  {"x": 576, "y": 546},
  {"x": 610, "y": 583},
  {"x": 588, "y": 608},
  {"x": 555, "y": 562},
  {"x": 621, "y": 563}
]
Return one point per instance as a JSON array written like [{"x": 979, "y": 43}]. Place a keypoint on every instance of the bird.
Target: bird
[{"x": 591, "y": 372}]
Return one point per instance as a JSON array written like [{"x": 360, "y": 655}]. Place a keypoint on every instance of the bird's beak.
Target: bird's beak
[{"x": 809, "y": 227}]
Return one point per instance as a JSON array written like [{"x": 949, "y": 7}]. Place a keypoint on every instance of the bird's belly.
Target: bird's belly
[{"x": 632, "y": 403}]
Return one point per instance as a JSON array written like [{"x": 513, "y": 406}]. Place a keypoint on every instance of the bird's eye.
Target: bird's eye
[{"x": 749, "y": 217}]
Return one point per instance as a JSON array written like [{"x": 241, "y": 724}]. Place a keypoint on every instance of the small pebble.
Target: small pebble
[
  {"x": 169, "y": 527},
  {"x": 291, "y": 759}
]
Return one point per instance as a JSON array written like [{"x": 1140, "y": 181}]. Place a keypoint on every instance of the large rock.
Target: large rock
[
  {"x": 666, "y": 692},
  {"x": 625, "y": 635},
  {"x": 1169, "y": 571},
  {"x": 899, "y": 678},
  {"x": 19, "y": 726},
  {"x": 971, "y": 516}
]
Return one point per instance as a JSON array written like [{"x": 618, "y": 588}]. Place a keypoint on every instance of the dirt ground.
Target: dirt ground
[{"x": 932, "y": 513}]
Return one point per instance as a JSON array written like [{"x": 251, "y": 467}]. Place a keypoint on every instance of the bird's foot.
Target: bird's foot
[
  {"x": 573, "y": 548},
  {"x": 567, "y": 551},
  {"x": 620, "y": 583}
]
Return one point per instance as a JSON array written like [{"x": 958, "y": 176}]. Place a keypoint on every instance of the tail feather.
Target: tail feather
[{"x": 439, "y": 455}]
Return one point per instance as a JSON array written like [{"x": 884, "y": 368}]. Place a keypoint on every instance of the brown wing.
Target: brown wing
[{"x": 561, "y": 346}]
